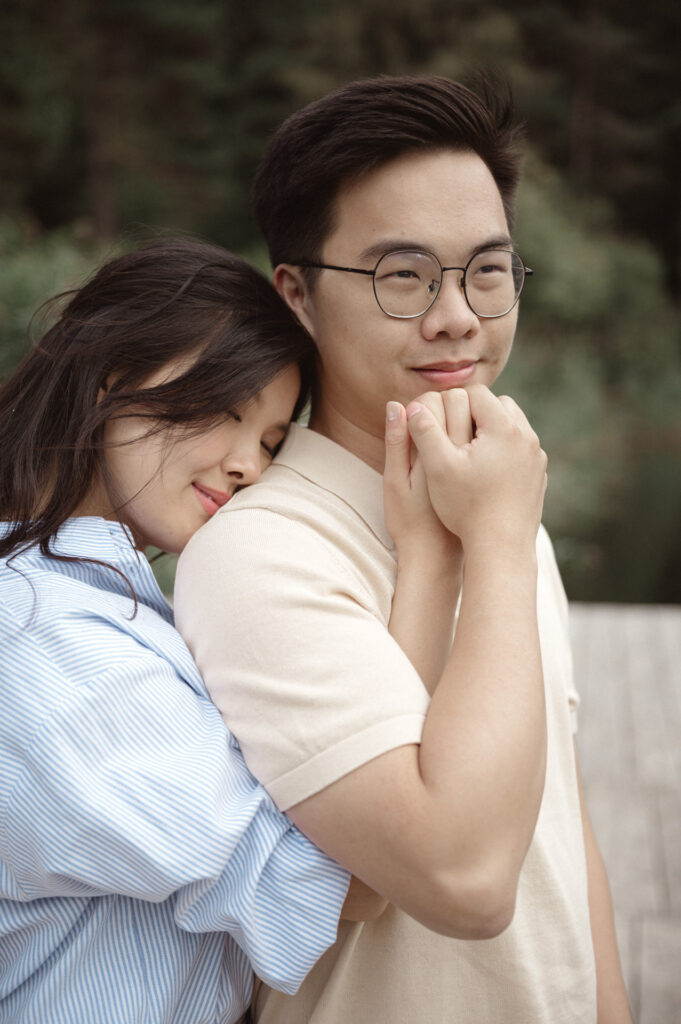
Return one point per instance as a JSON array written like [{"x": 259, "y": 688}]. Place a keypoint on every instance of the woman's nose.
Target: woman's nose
[{"x": 244, "y": 466}]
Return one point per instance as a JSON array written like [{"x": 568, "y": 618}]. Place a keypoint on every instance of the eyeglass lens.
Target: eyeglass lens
[{"x": 407, "y": 283}]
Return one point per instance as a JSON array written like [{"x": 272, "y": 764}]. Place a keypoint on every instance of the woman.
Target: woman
[{"x": 143, "y": 870}]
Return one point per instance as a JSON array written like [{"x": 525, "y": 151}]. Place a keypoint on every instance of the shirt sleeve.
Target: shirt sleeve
[
  {"x": 294, "y": 651},
  {"x": 133, "y": 786}
]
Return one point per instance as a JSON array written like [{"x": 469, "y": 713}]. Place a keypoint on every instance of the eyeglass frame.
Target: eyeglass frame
[{"x": 527, "y": 272}]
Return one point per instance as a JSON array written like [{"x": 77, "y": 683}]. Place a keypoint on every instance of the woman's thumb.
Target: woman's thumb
[{"x": 396, "y": 443}]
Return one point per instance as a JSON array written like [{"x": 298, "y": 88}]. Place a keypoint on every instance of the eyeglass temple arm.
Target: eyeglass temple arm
[
  {"x": 370, "y": 273},
  {"x": 330, "y": 266}
]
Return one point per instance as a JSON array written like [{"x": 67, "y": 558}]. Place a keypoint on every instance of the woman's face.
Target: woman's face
[{"x": 167, "y": 485}]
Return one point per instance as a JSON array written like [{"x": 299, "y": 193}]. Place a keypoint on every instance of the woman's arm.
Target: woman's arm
[
  {"x": 429, "y": 557},
  {"x": 429, "y": 565}
]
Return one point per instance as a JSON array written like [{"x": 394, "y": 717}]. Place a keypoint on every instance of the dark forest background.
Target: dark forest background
[{"x": 123, "y": 118}]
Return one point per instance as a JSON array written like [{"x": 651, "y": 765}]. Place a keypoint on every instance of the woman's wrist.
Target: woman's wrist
[{"x": 432, "y": 558}]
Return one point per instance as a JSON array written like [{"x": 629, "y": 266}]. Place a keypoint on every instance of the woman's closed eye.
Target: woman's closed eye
[{"x": 273, "y": 446}]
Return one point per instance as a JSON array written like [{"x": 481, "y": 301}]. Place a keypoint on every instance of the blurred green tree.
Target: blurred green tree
[
  {"x": 598, "y": 371},
  {"x": 153, "y": 113}
]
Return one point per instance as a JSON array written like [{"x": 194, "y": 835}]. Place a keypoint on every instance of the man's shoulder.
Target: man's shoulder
[
  {"x": 281, "y": 509},
  {"x": 287, "y": 527},
  {"x": 280, "y": 489}
]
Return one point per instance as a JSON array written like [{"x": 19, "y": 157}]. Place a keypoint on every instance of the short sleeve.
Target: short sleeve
[{"x": 293, "y": 651}]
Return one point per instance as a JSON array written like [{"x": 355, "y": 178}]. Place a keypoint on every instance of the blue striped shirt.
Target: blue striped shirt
[{"x": 142, "y": 868}]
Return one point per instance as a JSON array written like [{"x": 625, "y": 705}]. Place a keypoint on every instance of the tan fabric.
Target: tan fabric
[{"x": 284, "y": 598}]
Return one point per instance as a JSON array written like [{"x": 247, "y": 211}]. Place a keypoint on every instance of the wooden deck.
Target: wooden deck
[{"x": 628, "y": 670}]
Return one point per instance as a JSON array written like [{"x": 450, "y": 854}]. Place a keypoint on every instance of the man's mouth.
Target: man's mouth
[{"x": 448, "y": 374}]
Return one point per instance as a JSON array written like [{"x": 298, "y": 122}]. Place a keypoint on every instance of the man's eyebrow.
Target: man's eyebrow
[
  {"x": 499, "y": 242},
  {"x": 374, "y": 252}
]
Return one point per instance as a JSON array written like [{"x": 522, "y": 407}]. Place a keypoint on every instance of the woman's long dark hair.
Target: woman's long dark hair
[{"x": 168, "y": 301}]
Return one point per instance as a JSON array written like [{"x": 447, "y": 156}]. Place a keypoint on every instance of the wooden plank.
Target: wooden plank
[
  {"x": 605, "y": 720},
  {"x": 628, "y": 671},
  {"x": 660, "y": 967},
  {"x": 626, "y": 824},
  {"x": 656, "y": 711},
  {"x": 670, "y": 837}
]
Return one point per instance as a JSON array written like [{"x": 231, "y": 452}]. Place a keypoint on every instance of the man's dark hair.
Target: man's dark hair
[{"x": 363, "y": 125}]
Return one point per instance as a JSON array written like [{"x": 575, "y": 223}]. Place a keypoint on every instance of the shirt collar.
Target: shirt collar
[
  {"x": 93, "y": 537},
  {"x": 335, "y": 469}
]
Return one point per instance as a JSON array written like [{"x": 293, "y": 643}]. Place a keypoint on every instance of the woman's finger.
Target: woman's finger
[
  {"x": 397, "y": 446},
  {"x": 458, "y": 416}
]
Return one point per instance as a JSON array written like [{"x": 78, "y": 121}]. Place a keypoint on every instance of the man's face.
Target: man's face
[{"x": 446, "y": 203}]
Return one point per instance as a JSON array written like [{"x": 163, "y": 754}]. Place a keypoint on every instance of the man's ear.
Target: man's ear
[{"x": 290, "y": 282}]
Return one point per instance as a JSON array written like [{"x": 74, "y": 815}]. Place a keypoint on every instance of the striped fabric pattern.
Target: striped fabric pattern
[{"x": 142, "y": 868}]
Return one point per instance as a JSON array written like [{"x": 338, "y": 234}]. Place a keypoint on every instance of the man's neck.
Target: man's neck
[{"x": 360, "y": 441}]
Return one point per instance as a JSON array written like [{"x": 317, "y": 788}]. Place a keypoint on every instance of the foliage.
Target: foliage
[
  {"x": 163, "y": 129},
  {"x": 598, "y": 371},
  {"x": 34, "y": 270}
]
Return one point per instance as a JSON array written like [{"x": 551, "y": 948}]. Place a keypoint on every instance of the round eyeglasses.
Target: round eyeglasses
[{"x": 407, "y": 282}]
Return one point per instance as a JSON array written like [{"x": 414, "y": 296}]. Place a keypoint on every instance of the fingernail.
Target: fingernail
[
  {"x": 392, "y": 411},
  {"x": 413, "y": 410}
]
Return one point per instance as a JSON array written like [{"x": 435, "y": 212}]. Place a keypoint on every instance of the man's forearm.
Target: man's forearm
[
  {"x": 485, "y": 736},
  {"x": 469, "y": 795}
]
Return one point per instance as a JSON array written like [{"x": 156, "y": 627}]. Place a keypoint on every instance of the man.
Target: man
[{"x": 387, "y": 207}]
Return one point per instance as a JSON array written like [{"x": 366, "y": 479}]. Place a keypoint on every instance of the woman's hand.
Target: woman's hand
[
  {"x": 429, "y": 556},
  {"x": 409, "y": 515}
]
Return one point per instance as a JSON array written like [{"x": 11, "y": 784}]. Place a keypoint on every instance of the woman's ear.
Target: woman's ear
[{"x": 291, "y": 284}]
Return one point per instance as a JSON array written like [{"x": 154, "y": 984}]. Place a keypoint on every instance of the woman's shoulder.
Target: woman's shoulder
[{"x": 100, "y": 613}]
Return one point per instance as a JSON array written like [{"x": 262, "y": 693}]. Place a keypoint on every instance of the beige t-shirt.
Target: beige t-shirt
[{"x": 284, "y": 598}]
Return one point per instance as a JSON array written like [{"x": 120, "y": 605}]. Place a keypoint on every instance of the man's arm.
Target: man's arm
[
  {"x": 428, "y": 578},
  {"x": 328, "y": 709},
  {"x": 455, "y": 816},
  {"x": 613, "y": 1005}
]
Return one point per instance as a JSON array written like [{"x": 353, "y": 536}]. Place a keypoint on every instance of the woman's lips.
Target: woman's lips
[
  {"x": 210, "y": 499},
  {"x": 448, "y": 375}
]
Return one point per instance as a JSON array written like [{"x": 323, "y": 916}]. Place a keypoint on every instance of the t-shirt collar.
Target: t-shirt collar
[{"x": 337, "y": 470}]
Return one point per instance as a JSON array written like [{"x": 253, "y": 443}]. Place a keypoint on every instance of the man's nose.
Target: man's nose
[{"x": 450, "y": 313}]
